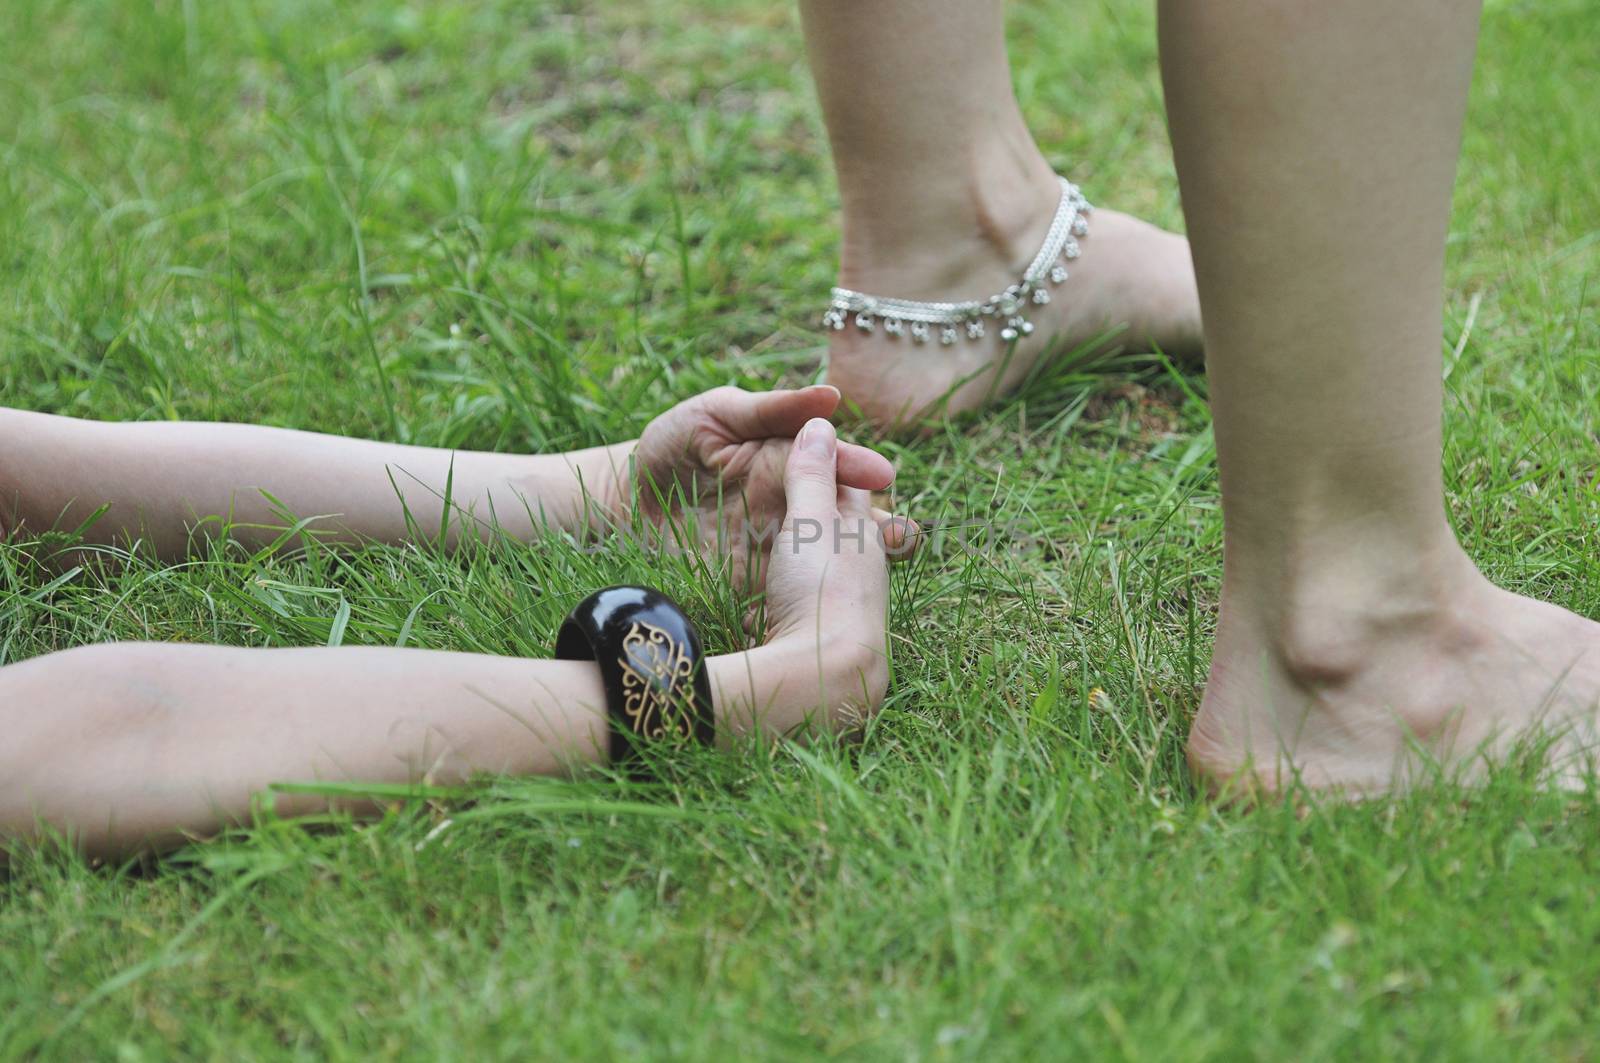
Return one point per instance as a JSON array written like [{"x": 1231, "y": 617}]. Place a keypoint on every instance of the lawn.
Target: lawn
[{"x": 532, "y": 226}]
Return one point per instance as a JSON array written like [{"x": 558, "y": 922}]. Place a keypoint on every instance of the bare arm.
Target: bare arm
[
  {"x": 160, "y": 480},
  {"x": 139, "y": 745},
  {"x": 163, "y": 482},
  {"x": 144, "y": 745}
]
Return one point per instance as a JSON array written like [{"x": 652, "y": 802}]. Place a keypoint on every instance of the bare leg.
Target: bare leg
[
  {"x": 945, "y": 196},
  {"x": 1316, "y": 146}
]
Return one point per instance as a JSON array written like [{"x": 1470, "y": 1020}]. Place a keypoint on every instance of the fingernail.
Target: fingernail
[{"x": 817, "y": 437}]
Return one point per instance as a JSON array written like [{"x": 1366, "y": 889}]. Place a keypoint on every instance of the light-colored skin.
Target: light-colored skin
[
  {"x": 128, "y": 746},
  {"x": 1316, "y": 148},
  {"x": 945, "y": 196},
  {"x": 720, "y": 454}
]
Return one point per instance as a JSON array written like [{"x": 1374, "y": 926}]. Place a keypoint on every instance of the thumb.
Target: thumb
[
  {"x": 759, "y": 414},
  {"x": 809, "y": 479}
]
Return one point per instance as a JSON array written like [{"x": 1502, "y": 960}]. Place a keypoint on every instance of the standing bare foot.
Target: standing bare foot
[
  {"x": 1369, "y": 693},
  {"x": 1131, "y": 287}
]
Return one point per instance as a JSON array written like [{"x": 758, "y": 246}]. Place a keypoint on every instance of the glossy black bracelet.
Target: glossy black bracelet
[{"x": 657, "y": 689}]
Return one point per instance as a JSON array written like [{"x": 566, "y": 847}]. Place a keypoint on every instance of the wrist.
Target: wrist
[
  {"x": 603, "y": 480},
  {"x": 797, "y": 683}
]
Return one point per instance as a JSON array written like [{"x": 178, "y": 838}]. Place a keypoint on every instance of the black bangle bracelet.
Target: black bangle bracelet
[{"x": 657, "y": 689}]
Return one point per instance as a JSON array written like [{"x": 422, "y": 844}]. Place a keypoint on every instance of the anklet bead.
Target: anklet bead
[{"x": 1010, "y": 306}]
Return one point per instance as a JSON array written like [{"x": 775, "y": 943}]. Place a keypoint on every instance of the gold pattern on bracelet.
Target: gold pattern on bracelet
[{"x": 656, "y": 675}]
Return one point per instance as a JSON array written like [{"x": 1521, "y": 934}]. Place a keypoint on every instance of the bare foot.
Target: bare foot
[
  {"x": 1370, "y": 699},
  {"x": 1132, "y": 288}
]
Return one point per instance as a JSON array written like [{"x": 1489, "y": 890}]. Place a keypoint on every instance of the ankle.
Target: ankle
[
  {"x": 941, "y": 230},
  {"x": 1323, "y": 624}
]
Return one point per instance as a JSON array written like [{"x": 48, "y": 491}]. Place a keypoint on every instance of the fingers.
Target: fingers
[
  {"x": 854, "y": 502},
  {"x": 816, "y": 489},
  {"x": 809, "y": 479},
  {"x": 759, "y": 414},
  {"x": 900, "y": 535},
  {"x": 896, "y": 537},
  {"x": 864, "y": 467},
  {"x": 764, "y": 414}
]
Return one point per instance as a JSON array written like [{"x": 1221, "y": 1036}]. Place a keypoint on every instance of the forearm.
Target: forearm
[
  {"x": 792, "y": 688},
  {"x": 164, "y": 481},
  {"x": 135, "y": 745}
]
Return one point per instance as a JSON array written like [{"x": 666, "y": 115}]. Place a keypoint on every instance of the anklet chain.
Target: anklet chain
[{"x": 953, "y": 319}]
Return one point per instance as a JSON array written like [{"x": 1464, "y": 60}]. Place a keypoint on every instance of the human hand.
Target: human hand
[
  {"x": 827, "y": 591},
  {"x": 717, "y": 461}
]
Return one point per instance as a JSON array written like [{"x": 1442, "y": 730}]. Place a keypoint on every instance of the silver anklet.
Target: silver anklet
[{"x": 952, "y": 319}]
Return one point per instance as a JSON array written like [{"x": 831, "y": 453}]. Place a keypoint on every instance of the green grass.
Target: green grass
[{"x": 532, "y": 226}]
